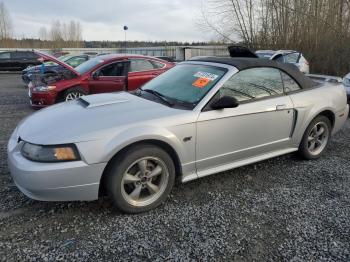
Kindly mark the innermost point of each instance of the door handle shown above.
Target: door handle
(281, 107)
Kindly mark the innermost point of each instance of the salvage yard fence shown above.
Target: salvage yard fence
(178, 53)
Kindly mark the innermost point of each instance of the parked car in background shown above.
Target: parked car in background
(346, 82)
(202, 117)
(18, 60)
(167, 58)
(286, 56)
(107, 73)
(99, 54)
(91, 53)
(60, 53)
(50, 67)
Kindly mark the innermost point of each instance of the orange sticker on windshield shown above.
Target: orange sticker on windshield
(201, 82)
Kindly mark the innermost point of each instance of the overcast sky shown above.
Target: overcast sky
(104, 19)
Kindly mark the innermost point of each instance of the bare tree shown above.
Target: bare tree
(66, 35)
(5, 26)
(43, 33)
(75, 33)
(56, 36)
(233, 19)
(319, 28)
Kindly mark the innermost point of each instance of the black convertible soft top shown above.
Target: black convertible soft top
(246, 63)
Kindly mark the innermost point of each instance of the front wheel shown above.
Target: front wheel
(73, 93)
(316, 138)
(140, 179)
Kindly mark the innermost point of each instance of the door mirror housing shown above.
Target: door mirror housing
(225, 102)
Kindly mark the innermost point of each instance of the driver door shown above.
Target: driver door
(262, 122)
(109, 78)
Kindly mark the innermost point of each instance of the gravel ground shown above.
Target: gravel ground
(281, 209)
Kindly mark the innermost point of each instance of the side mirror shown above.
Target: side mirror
(95, 76)
(225, 102)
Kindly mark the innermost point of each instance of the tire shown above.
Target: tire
(133, 190)
(314, 141)
(73, 93)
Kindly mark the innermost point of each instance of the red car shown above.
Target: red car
(106, 73)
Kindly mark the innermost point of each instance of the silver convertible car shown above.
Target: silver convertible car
(202, 117)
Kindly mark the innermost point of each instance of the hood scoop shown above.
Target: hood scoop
(102, 100)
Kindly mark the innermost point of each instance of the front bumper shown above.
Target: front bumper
(42, 99)
(65, 181)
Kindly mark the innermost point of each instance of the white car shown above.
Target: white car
(346, 83)
(286, 56)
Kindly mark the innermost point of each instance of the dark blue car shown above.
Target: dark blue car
(30, 73)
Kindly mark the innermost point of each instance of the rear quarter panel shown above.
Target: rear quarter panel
(311, 102)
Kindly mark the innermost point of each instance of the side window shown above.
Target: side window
(157, 65)
(289, 83)
(291, 58)
(4, 55)
(18, 55)
(139, 65)
(29, 55)
(116, 69)
(279, 58)
(253, 83)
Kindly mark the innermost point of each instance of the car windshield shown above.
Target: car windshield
(64, 57)
(264, 55)
(50, 63)
(185, 84)
(88, 65)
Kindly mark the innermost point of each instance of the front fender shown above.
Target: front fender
(101, 151)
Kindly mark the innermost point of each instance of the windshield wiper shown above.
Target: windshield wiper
(159, 95)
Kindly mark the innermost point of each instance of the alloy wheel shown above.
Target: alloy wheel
(144, 181)
(318, 138)
(73, 96)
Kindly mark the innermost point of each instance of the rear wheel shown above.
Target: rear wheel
(74, 93)
(316, 138)
(140, 179)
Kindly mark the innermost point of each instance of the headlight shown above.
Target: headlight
(58, 153)
(44, 88)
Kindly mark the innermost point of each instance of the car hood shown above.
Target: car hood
(57, 61)
(95, 117)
